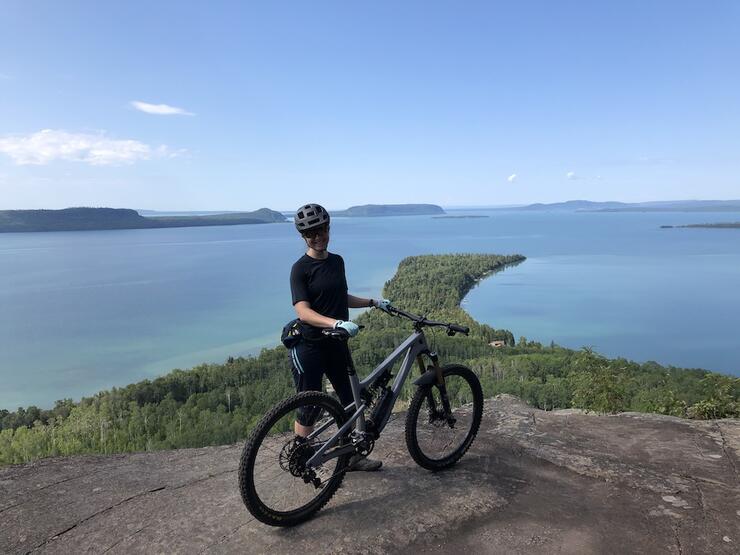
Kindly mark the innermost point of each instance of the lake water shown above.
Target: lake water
(84, 311)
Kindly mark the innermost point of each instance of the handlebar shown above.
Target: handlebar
(419, 322)
(422, 321)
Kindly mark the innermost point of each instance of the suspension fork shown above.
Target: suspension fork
(440, 381)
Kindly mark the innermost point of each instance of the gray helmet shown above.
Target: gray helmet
(310, 216)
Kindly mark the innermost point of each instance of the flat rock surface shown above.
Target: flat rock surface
(533, 482)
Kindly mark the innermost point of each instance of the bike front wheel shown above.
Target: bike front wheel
(437, 440)
(276, 484)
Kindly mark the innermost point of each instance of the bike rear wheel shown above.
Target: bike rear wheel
(434, 441)
(275, 483)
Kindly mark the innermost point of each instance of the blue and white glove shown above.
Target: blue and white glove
(350, 327)
(383, 305)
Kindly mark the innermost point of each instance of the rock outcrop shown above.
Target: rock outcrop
(533, 482)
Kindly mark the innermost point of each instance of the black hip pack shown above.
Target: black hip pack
(291, 335)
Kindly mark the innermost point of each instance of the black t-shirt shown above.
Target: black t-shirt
(324, 285)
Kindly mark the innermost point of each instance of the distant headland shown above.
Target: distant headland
(95, 219)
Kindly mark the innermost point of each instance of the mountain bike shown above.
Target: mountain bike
(284, 480)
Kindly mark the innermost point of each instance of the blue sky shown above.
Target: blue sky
(280, 103)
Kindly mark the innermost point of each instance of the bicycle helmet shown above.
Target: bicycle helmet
(310, 216)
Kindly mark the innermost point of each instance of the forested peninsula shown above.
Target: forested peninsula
(215, 404)
(95, 219)
(370, 210)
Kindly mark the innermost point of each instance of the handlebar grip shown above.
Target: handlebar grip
(460, 329)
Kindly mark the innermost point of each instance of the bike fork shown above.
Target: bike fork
(440, 385)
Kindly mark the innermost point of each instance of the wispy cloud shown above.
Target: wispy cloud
(160, 109)
(49, 145)
(512, 178)
(571, 175)
(5, 76)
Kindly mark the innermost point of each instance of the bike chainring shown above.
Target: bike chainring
(365, 446)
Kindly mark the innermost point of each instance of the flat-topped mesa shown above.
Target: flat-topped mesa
(96, 219)
(389, 210)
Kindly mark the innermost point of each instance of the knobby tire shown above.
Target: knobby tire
(418, 410)
(247, 487)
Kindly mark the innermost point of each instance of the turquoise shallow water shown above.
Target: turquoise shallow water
(83, 311)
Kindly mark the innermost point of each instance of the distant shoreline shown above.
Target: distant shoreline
(100, 219)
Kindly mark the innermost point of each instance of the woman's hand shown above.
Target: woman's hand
(350, 327)
(383, 304)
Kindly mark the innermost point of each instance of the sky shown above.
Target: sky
(241, 105)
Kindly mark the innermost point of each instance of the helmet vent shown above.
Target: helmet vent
(309, 216)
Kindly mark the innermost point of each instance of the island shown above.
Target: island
(96, 219)
(721, 225)
(463, 217)
(374, 210)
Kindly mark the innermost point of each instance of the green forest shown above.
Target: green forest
(215, 404)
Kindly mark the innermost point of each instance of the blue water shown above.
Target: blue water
(84, 311)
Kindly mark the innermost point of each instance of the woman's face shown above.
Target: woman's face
(317, 238)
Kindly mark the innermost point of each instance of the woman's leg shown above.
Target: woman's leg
(307, 362)
(336, 371)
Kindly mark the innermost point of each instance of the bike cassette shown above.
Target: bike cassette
(293, 458)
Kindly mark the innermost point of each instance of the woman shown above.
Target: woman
(319, 288)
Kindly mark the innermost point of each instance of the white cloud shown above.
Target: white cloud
(513, 177)
(160, 109)
(48, 145)
(571, 175)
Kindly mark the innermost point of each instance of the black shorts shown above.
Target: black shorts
(310, 360)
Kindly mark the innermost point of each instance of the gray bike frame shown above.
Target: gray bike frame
(414, 346)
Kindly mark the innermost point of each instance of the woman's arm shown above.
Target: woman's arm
(310, 316)
(359, 302)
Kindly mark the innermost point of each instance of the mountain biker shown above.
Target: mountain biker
(319, 289)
